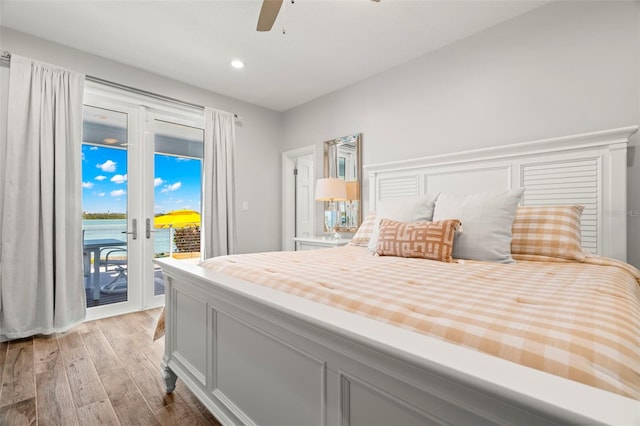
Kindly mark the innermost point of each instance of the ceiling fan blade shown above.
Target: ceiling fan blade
(268, 14)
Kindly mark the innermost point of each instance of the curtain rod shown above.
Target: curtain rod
(6, 57)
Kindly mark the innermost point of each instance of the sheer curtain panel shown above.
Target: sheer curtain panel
(218, 198)
(41, 282)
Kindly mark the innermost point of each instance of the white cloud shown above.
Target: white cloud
(107, 166)
(157, 181)
(87, 185)
(119, 179)
(101, 194)
(170, 188)
(93, 148)
(100, 177)
(182, 159)
(118, 193)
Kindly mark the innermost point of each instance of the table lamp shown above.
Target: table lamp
(331, 190)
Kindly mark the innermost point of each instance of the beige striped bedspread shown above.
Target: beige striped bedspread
(580, 321)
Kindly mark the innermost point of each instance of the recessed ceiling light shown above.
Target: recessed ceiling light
(237, 63)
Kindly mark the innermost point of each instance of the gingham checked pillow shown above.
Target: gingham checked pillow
(426, 240)
(541, 232)
(362, 236)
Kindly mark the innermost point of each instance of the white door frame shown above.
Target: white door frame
(141, 109)
(288, 196)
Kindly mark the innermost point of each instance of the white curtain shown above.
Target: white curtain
(41, 282)
(218, 197)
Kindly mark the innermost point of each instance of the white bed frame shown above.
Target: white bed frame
(254, 355)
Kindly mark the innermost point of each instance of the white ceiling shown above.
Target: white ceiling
(328, 44)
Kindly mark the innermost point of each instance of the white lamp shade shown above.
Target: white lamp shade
(331, 189)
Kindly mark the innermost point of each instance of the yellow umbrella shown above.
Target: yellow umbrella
(177, 219)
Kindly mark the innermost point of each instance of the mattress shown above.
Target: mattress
(578, 320)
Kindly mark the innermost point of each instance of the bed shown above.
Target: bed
(274, 338)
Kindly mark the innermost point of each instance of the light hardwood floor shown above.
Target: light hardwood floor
(104, 372)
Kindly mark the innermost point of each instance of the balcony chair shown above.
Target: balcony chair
(118, 282)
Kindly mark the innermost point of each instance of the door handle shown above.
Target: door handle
(148, 227)
(134, 227)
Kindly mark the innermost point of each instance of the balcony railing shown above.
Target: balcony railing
(183, 242)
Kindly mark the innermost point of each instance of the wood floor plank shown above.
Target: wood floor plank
(197, 408)
(18, 379)
(128, 403)
(4, 346)
(97, 413)
(154, 352)
(82, 328)
(101, 372)
(119, 338)
(84, 381)
(89, 326)
(147, 378)
(146, 319)
(46, 353)
(136, 331)
(69, 341)
(19, 414)
(104, 358)
(179, 413)
(55, 403)
(20, 343)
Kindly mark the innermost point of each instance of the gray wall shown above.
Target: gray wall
(258, 136)
(565, 68)
(562, 69)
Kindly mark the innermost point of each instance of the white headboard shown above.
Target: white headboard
(588, 169)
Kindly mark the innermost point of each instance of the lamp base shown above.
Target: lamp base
(331, 234)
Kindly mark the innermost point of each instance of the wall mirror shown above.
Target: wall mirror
(342, 159)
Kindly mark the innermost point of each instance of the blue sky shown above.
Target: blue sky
(104, 181)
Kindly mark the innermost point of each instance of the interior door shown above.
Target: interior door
(305, 208)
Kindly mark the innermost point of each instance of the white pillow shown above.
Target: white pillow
(487, 219)
(402, 210)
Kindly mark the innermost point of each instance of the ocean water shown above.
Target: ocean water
(112, 228)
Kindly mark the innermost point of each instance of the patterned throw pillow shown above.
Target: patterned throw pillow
(427, 240)
(362, 236)
(404, 209)
(547, 232)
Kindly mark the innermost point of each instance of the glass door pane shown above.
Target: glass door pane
(177, 162)
(104, 205)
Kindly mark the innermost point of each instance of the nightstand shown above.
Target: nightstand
(315, 243)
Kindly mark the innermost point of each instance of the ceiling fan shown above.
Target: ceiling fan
(269, 13)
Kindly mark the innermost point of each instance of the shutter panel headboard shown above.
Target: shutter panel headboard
(587, 169)
(567, 182)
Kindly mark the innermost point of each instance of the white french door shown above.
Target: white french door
(171, 200)
(141, 158)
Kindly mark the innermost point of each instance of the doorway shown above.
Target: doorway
(141, 160)
(299, 207)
